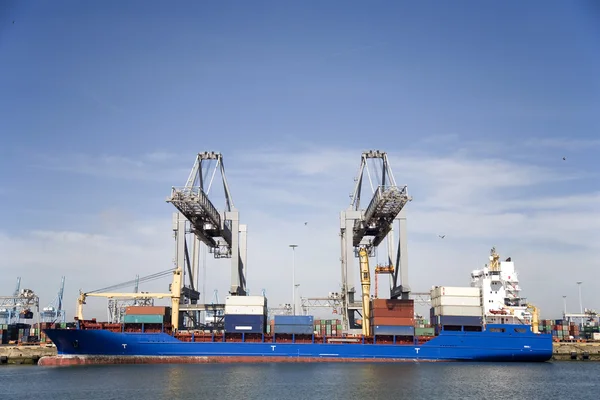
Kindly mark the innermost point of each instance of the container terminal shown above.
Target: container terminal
(390, 325)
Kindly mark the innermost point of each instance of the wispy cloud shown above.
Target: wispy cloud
(569, 144)
(163, 167)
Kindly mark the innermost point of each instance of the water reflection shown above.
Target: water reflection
(305, 381)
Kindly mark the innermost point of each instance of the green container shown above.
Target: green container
(424, 332)
(144, 319)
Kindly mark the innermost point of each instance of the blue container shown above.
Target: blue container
(294, 320)
(245, 323)
(294, 329)
(394, 330)
(459, 320)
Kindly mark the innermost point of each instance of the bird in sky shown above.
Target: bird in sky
(306, 223)
(442, 236)
(564, 158)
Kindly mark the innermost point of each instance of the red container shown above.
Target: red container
(148, 310)
(401, 313)
(392, 304)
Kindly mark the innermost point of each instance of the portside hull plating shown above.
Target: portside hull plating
(153, 347)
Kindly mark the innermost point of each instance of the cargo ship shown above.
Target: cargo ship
(460, 330)
(466, 324)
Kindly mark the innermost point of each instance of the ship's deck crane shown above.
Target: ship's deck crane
(54, 312)
(174, 295)
(367, 228)
(117, 306)
(220, 232)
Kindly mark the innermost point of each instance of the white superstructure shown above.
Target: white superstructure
(500, 292)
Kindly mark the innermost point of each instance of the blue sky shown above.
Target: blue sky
(103, 107)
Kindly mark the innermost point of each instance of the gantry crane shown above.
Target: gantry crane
(368, 228)
(8, 306)
(220, 232)
(54, 312)
(22, 305)
(333, 301)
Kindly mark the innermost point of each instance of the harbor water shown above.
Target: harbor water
(304, 381)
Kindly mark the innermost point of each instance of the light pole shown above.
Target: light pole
(580, 303)
(296, 287)
(293, 246)
(565, 304)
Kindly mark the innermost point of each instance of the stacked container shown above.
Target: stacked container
(147, 315)
(393, 317)
(456, 306)
(294, 324)
(328, 327)
(245, 314)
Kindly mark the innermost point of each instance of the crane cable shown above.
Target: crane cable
(132, 282)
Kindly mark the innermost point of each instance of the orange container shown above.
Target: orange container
(147, 310)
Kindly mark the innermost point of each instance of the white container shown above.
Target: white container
(245, 310)
(246, 301)
(456, 301)
(596, 335)
(462, 311)
(439, 291)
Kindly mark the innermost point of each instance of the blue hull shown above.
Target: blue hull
(509, 345)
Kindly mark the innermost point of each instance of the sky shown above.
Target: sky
(488, 113)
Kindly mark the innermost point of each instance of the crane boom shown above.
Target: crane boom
(175, 296)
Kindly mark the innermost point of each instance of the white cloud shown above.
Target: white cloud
(477, 201)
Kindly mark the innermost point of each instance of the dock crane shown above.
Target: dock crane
(8, 306)
(220, 232)
(54, 312)
(368, 228)
(174, 295)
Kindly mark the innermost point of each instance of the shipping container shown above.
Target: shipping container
(466, 291)
(399, 313)
(294, 320)
(245, 310)
(465, 311)
(391, 304)
(458, 320)
(456, 301)
(245, 323)
(596, 335)
(296, 329)
(424, 331)
(143, 319)
(246, 301)
(148, 310)
(393, 330)
(392, 321)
